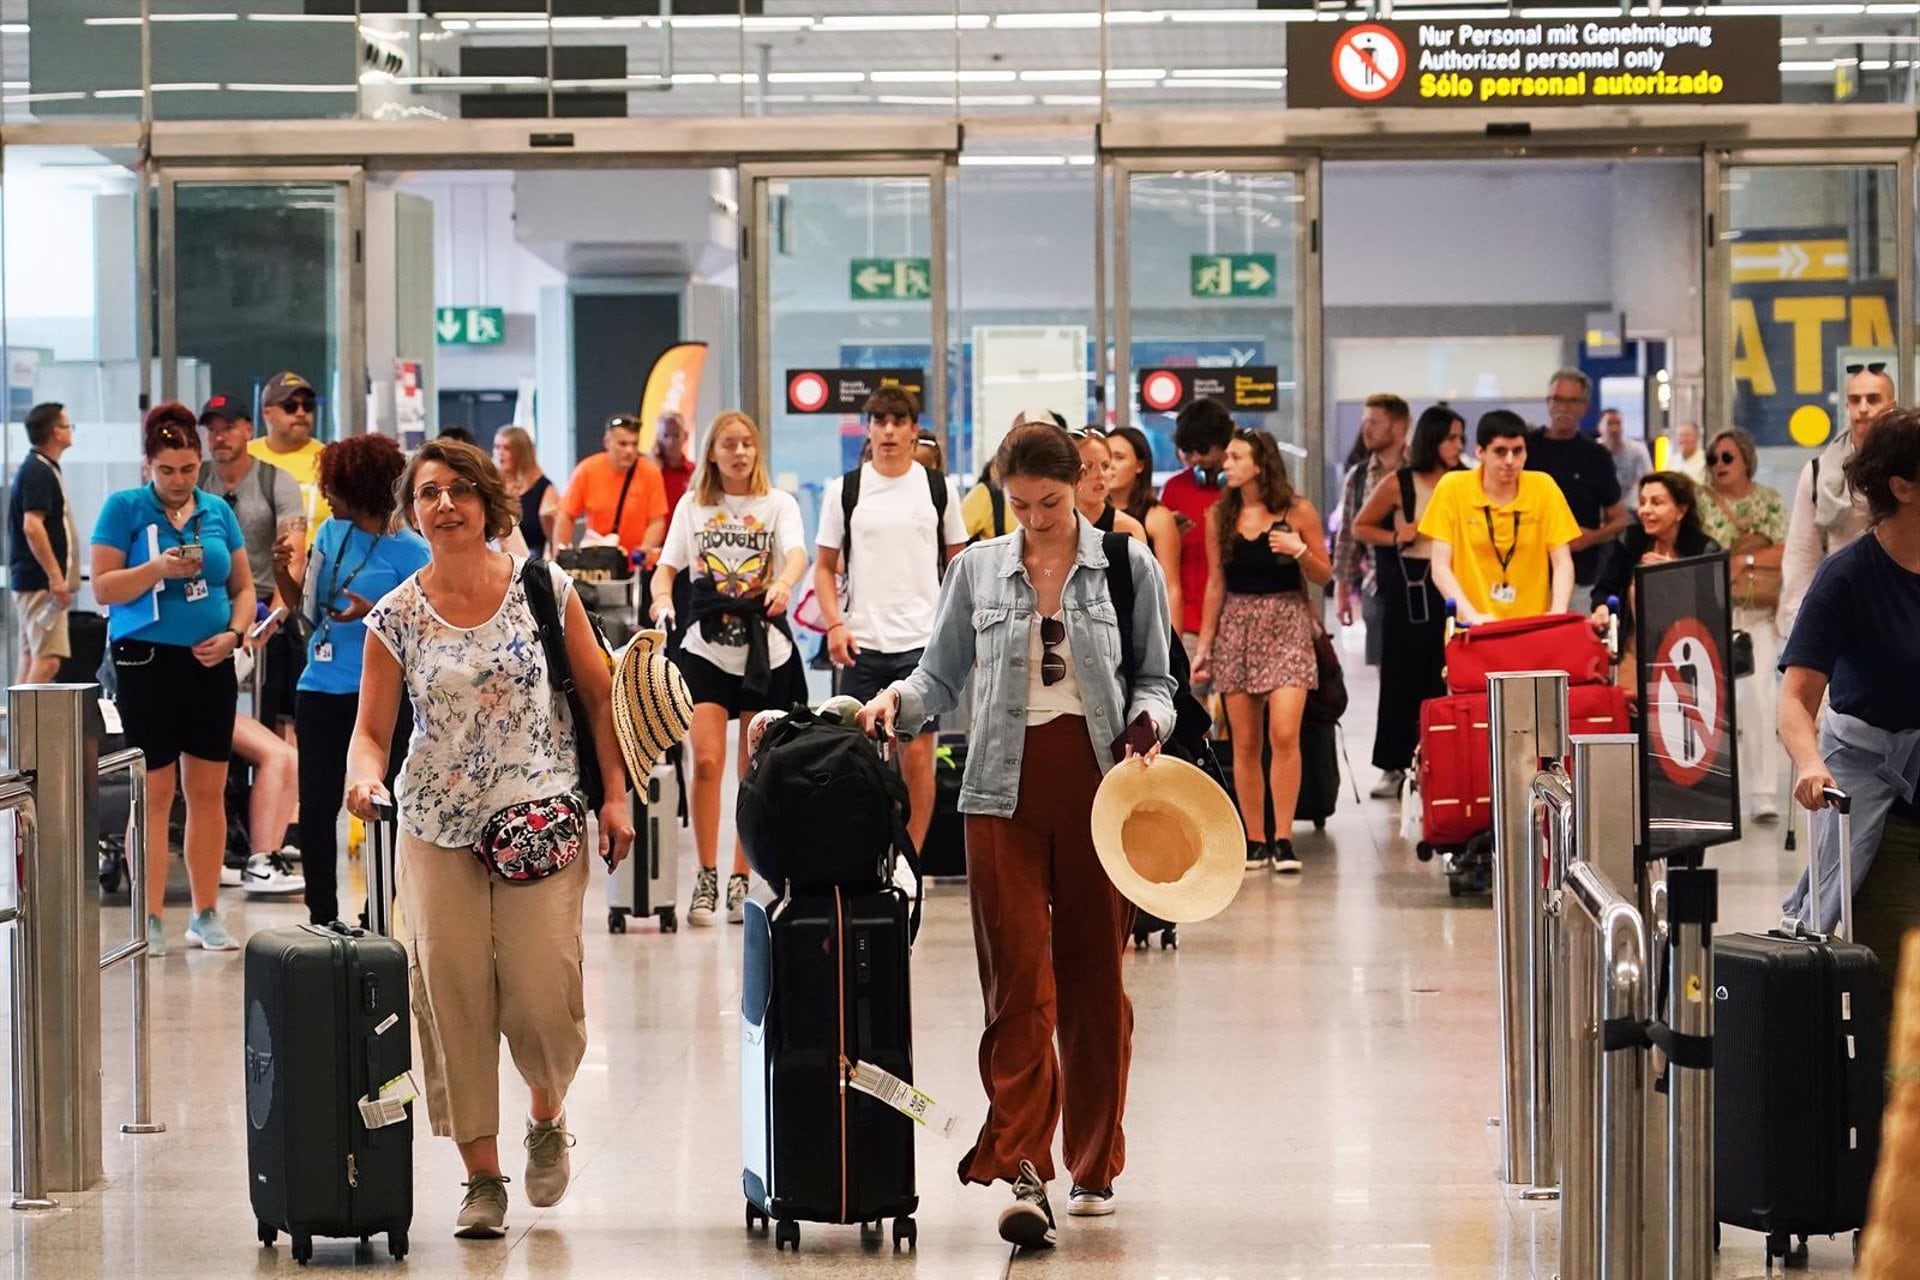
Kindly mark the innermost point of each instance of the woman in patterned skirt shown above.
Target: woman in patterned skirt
(1264, 544)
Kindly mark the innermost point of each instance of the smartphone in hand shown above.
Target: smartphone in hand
(1139, 735)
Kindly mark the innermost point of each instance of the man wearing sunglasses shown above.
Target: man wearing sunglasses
(290, 405)
(622, 495)
(1826, 514)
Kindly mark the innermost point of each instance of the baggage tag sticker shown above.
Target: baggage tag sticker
(904, 1098)
(391, 1106)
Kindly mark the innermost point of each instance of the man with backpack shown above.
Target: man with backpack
(1826, 515)
(888, 528)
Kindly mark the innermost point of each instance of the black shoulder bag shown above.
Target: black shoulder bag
(553, 641)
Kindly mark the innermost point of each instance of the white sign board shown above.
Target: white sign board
(1024, 366)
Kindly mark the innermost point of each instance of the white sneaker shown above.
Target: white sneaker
(269, 875)
(1084, 1202)
(232, 877)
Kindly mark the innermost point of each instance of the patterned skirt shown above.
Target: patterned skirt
(1264, 643)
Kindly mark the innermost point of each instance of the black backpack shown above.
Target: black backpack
(819, 808)
(1189, 740)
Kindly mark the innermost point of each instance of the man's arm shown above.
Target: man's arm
(1442, 567)
(1561, 558)
(1801, 691)
(33, 525)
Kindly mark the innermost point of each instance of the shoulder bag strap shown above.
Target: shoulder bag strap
(937, 489)
(620, 506)
(849, 494)
(535, 577)
(1408, 501)
(1120, 590)
(265, 480)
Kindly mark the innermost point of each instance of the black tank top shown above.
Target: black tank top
(530, 527)
(1105, 523)
(1255, 569)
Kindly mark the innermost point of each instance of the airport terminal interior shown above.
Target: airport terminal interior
(483, 213)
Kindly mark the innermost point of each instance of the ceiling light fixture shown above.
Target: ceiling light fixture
(964, 76)
(904, 22)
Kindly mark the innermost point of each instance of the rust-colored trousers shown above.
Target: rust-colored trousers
(1050, 932)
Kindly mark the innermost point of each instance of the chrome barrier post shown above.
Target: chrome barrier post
(134, 762)
(54, 738)
(1602, 1234)
(1693, 907)
(1550, 847)
(29, 1178)
(1527, 721)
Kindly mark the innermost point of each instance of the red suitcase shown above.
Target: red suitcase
(1551, 642)
(1456, 770)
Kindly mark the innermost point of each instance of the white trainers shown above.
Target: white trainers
(269, 875)
(1085, 1202)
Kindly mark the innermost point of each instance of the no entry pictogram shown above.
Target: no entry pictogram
(1369, 62)
(1687, 715)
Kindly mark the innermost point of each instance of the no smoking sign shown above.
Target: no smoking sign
(1369, 62)
(1687, 712)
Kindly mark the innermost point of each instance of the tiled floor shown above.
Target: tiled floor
(1313, 1074)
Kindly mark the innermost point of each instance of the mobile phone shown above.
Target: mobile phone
(192, 551)
(259, 628)
(1139, 735)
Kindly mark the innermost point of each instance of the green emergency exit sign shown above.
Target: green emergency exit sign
(890, 279)
(470, 326)
(1233, 275)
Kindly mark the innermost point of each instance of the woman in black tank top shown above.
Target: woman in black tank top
(1090, 495)
(1264, 545)
(513, 454)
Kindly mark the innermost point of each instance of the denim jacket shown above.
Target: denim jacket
(983, 629)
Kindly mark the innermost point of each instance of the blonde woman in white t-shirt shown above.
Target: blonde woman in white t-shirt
(742, 542)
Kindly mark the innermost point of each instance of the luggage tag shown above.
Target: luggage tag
(196, 589)
(904, 1098)
(391, 1106)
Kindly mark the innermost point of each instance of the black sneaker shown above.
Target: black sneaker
(1285, 861)
(1027, 1223)
(1257, 855)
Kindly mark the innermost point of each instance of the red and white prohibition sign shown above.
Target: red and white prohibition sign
(807, 392)
(1687, 713)
(1369, 62)
(1161, 390)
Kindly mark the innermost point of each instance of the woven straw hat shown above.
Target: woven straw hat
(652, 709)
(1169, 839)
(1892, 1241)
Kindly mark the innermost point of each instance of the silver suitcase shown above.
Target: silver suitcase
(645, 881)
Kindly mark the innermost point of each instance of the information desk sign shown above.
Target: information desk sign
(1537, 62)
(846, 390)
(1683, 656)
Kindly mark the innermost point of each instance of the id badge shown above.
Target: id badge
(323, 652)
(196, 589)
(1503, 593)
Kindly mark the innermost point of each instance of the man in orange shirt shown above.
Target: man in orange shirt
(619, 492)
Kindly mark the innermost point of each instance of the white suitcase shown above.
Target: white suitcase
(645, 881)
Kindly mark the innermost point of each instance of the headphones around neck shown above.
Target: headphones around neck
(1210, 477)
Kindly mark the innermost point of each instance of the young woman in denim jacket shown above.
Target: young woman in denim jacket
(1028, 617)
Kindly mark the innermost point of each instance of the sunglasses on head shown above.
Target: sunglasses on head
(1871, 366)
(1088, 433)
(623, 422)
(1053, 667)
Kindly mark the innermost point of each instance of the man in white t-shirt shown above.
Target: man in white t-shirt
(905, 525)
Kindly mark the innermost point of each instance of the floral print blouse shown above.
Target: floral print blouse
(1762, 511)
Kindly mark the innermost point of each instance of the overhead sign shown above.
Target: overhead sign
(1683, 638)
(890, 279)
(470, 326)
(1250, 388)
(1517, 62)
(846, 390)
(1796, 298)
(1233, 275)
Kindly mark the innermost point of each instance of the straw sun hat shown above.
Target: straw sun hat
(652, 709)
(1169, 839)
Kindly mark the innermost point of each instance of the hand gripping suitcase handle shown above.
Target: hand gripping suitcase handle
(1842, 803)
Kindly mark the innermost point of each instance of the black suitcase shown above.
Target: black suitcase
(826, 984)
(945, 851)
(327, 1025)
(1799, 1052)
(1319, 774)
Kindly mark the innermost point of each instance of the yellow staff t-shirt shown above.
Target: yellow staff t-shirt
(1522, 533)
(303, 464)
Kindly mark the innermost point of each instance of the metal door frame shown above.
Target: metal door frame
(1718, 275)
(756, 317)
(1118, 169)
(349, 270)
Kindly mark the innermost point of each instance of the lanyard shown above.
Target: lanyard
(1512, 549)
(190, 535)
(334, 586)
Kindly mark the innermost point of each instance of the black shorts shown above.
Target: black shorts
(282, 660)
(786, 685)
(170, 705)
(871, 672)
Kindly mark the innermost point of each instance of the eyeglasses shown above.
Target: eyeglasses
(1871, 366)
(1566, 399)
(1053, 667)
(459, 491)
(1726, 456)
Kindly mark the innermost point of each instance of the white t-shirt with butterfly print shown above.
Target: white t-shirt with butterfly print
(740, 544)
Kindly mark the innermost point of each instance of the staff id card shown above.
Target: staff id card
(1503, 593)
(323, 652)
(196, 589)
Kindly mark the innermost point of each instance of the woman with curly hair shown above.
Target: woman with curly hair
(357, 557)
(1264, 543)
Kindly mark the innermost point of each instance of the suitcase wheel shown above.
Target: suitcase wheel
(1169, 940)
(397, 1244)
(786, 1234)
(303, 1249)
(1140, 937)
(616, 921)
(871, 1233)
(669, 920)
(268, 1235)
(1319, 824)
(1792, 1257)
(1423, 851)
(756, 1220)
(905, 1235)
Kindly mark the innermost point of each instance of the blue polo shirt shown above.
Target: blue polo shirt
(345, 558)
(133, 521)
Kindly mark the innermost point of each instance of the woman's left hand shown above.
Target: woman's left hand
(358, 607)
(778, 594)
(216, 649)
(1286, 542)
(616, 830)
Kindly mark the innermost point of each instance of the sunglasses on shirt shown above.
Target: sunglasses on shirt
(1053, 666)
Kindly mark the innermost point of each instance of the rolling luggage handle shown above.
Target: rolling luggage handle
(382, 868)
(1843, 804)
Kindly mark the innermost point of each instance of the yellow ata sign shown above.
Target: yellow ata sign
(1869, 324)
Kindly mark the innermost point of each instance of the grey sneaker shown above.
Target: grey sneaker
(1389, 786)
(1027, 1223)
(706, 896)
(549, 1167)
(483, 1214)
(206, 929)
(736, 899)
(156, 937)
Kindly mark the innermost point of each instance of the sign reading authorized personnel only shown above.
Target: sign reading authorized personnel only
(1514, 62)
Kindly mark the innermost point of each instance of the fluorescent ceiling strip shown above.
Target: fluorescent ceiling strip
(194, 17)
(1893, 10)
(482, 13)
(75, 96)
(294, 88)
(13, 29)
(1179, 72)
(458, 82)
(109, 22)
(1064, 75)
(303, 17)
(1070, 99)
(963, 100)
(1012, 162)
(1825, 64)
(194, 87)
(904, 22)
(773, 24)
(510, 24)
(695, 77)
(1247, 15)
(614, 82)
(1200, 82)
(1788, 10)
(1457, 14)
(603, 24)
(816, 77)
(943, 77)
(1553, 15)
(108, 93)
(1050, 21)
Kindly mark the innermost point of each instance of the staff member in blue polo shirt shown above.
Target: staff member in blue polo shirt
(169, 560)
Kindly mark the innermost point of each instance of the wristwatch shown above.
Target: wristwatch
(239, 637)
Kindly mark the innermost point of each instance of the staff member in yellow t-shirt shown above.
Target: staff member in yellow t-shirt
(1501, 534)
(288, 404)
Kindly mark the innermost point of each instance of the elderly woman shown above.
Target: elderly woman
(1668, 528)
(1854, 645)
(1750, 521)
(1029, 619)
(170, 563)
(491, 740)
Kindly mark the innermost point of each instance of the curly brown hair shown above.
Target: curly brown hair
(1276, 488)
(169, 425)
(469, 463)
(359, 472)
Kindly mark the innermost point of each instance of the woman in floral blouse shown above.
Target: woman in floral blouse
(1750, 521)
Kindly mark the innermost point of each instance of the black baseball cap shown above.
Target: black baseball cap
(225, 409)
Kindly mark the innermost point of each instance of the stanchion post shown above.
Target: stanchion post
(1527, 721)
(143, 1121)
(1693, 908)
(29, 1177)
